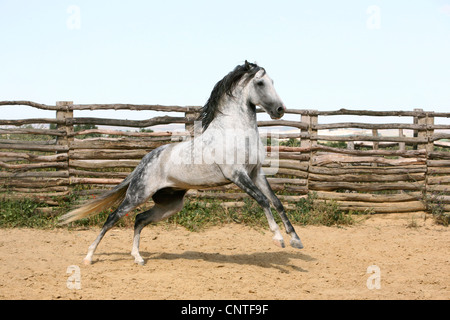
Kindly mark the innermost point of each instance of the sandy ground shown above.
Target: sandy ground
(231, 262)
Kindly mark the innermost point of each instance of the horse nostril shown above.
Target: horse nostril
(280, 110)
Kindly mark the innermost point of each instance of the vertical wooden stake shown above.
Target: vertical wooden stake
(65, 113)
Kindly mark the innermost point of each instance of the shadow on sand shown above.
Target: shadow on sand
(283, 261)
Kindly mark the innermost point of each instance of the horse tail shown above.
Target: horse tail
(103, 202)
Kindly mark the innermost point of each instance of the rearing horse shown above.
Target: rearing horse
(168, 172)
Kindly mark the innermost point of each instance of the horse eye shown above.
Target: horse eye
(260, 83)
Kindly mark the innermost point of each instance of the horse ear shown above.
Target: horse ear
(260, 74)
(247, 65)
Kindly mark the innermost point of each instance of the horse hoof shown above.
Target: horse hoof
(139, 262)
(87, 262)
(296, 243)
(279, 242)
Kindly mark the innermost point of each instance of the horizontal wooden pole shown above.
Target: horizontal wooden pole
(283, 123)
(368, 170)
(380, 126)
(289, 172)
(369, 138)
(400, 153)
(34, 157)
(321, 160)
(438, 170)
(25, 189)
(344, 111)
(113, 143)
(34, 147)
(82, 154)
(102, 164)
(412, 206)
(33, 131)
(98, 174)
(35, 174)
(31, 121)
(29, 103)
(287, 181)
(35, 195)
(28, 142)
(369, 198)
(75, 180)
(34, 182)
(329, 186)
(367, 177)
(130, 133)
(442, 144)
(288, 164)
(288, 149)
(438, 163)
(439, 155)
(439, 136)
(292, 156)
(438, 188)
(439, 180)
(60, 165)
(439, 199)
(127, 123)
(139, 107)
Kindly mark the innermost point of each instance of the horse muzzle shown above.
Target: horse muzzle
(278, 113)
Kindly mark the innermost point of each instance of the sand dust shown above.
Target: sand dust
(232, 262)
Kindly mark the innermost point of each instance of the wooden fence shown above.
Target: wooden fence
(363, 166)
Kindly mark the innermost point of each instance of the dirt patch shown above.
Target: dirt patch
(232, 262)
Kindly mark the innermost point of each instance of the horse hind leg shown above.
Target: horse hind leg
(167, 203)
(125, 207)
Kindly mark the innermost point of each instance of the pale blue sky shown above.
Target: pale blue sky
(321, 54)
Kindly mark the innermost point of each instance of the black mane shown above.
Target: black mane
(225, 86)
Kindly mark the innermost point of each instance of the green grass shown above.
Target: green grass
(195, 215)
(310, 211)
(23, 213)
(436, 206)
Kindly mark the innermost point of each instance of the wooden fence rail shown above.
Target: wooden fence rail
(363, 166)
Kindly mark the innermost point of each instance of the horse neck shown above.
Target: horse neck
(236, 112)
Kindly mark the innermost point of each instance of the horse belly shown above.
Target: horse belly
(197, 177)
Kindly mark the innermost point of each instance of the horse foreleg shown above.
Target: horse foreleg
(243, 181)
(262, 183)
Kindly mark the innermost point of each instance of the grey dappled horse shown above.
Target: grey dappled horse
(227, 150)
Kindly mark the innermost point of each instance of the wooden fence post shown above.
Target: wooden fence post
(421, 120)
(375, 144)
(311, 120)
(191, 116)
(428, 121)
(416, 132)
(427, 133)
(429, 147)
(65, 112)
(430, 132)
(401, 145)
